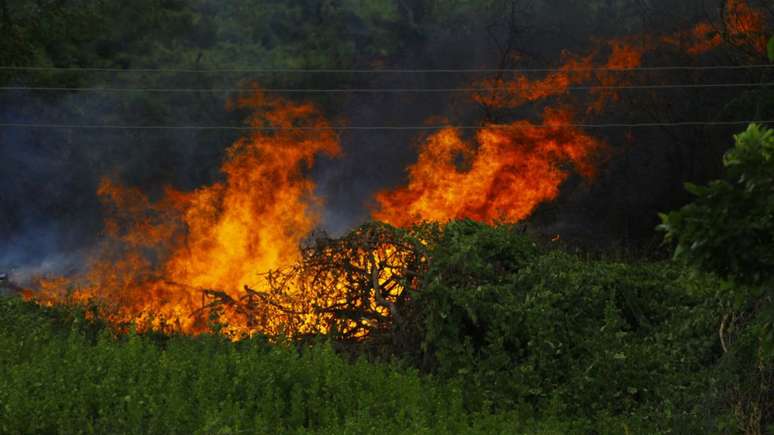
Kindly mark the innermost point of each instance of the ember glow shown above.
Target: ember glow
(742, 25)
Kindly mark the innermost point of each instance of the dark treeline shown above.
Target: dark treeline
(49, 176)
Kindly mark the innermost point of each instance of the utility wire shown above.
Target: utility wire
(380, 128)
(378, 71)
(375, 90)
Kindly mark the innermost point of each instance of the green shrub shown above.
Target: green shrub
(729, 227)
(524, 328)
(729, 230)
(56, 378)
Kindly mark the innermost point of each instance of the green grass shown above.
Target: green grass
(62, 374)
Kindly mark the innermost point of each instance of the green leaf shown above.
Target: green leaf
(695, 189)
(771, 49)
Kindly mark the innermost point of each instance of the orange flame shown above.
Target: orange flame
(745, 25)
(512, 169)
(159, 255)
(741, 25)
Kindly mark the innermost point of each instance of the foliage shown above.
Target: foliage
(522, 327)
(56, 378)
(729, 229)
(194, 34)
(514, 338)
(517, 325)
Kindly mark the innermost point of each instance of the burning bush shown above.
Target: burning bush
(359, 286)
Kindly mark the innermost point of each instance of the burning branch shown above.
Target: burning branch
(351, 287)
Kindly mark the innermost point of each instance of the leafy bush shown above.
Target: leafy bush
(729, 229)
(527, 328)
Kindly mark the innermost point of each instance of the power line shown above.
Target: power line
(375, 90)
(378, 71)
(379, 128)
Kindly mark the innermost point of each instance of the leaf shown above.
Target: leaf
(695, 189)
(771, 49)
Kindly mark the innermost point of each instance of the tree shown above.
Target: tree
(729, 229)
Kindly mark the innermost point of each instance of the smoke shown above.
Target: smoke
(375, 160)
(49, 210)
(50, 215)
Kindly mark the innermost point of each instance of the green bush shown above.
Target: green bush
(531, 329)
(728, 229)
(60, 373)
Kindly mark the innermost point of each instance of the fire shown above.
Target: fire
(745, 25)
(507, 172)
(170, 263)
(521, 90)
(741, 26)
(513, 168)
(158, 256)
(355, 285)
(698, 40)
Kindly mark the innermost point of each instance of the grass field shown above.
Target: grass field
(62, 374)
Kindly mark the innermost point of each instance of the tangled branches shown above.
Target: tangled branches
(352, 287)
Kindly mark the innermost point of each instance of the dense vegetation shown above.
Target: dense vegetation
(62, 374)
(520, 341)
(729, 230)
(516, 337)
